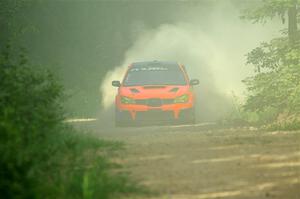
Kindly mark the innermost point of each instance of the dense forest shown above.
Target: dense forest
(81, 41)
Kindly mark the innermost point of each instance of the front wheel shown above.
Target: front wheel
(188, 116)
(122, 118)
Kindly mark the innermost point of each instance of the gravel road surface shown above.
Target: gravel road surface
(204, 162)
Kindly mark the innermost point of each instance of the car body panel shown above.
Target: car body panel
(158, 99)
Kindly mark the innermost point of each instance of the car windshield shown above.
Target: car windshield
(154, 75)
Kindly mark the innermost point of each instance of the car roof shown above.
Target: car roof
(155, 63)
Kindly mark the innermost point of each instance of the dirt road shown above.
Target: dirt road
(193, 162)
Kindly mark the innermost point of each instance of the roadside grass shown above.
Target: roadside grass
(69, 165)
(268, 120)
(285, 126)
(82, 167)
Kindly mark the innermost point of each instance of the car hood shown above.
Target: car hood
(144, 92)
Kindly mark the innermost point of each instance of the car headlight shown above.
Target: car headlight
(181, 99)
(127, 100)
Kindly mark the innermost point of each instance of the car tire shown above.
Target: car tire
(122, 119)
(188, 116)
(192, 117)
(118, 121)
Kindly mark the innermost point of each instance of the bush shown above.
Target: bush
(42, 157)
(241, 116)
(29, 114)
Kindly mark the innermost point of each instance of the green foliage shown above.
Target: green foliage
(278, 90)
(29, 112)
(287, 126)
(269, 56)
(42, 157)
(275, 88)
(268, 9)
(277, 83)
(240, 116)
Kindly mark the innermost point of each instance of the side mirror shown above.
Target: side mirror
(194, 82)
(116, 83)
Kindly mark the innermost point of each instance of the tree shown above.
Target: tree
(276, 84)
(277, 8)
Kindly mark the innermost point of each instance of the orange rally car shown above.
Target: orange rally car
(155, 92)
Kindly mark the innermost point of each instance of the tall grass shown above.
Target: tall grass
(268, 119)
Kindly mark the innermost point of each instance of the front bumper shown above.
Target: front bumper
(166, 113)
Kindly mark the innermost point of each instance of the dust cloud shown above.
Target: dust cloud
(212, 51)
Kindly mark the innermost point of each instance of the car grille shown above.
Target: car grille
(155, 115)
(154, 102)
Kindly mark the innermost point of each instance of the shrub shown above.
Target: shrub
(41, 156)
